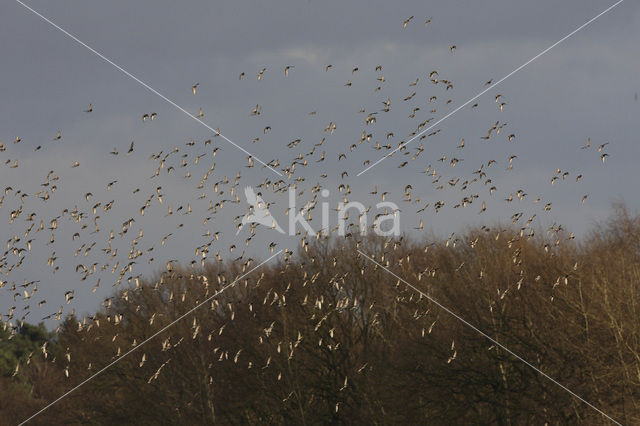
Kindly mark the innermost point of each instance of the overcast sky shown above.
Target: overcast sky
(585, 87)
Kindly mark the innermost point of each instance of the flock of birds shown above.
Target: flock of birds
(308, 164)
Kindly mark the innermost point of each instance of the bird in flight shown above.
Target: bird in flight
(406, 21)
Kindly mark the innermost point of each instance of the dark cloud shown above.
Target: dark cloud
(583, 88)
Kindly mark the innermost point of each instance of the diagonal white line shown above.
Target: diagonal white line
(491, 87)
(459, 318)
(207, 300)
(145, 85)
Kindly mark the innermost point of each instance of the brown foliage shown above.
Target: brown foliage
(329, 337)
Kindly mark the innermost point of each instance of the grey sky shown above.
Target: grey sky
(583, 88)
